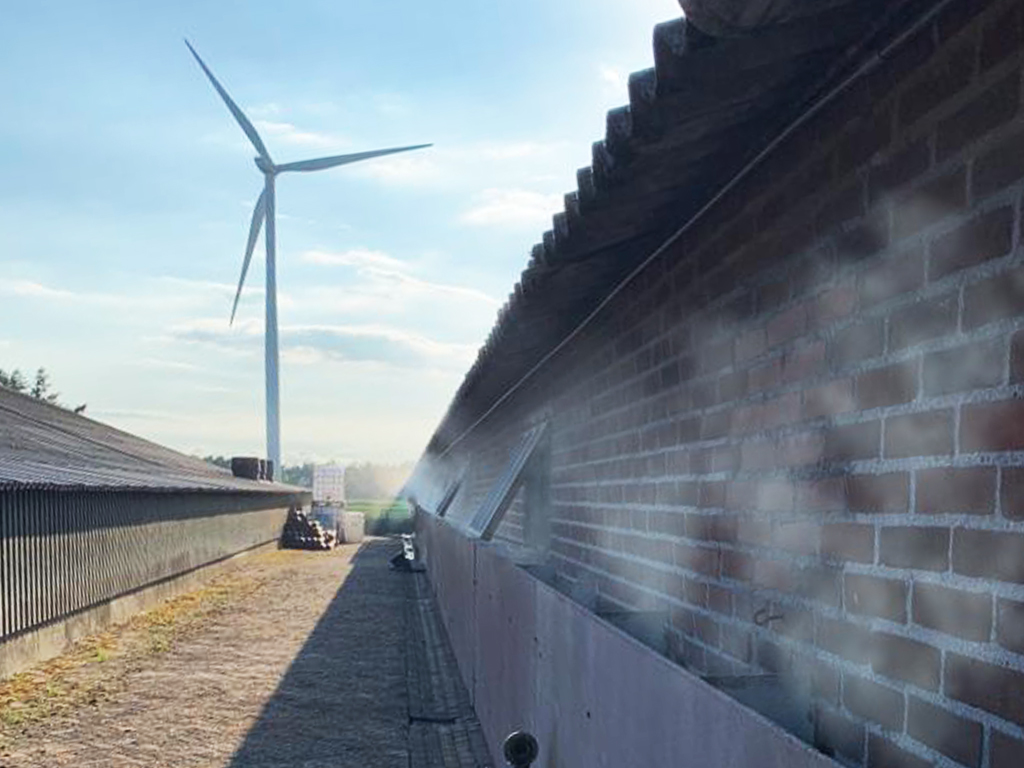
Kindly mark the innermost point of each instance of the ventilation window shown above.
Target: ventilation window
(490, 513)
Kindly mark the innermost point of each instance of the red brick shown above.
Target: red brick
(799, 538)
(759, 455)
(714, 357)
(919, 434)
(956, 490)
(852, 442)
(787, 325)
(899, 169)
(834, 304)
(773, 294)
(1017, 358)
(820, 583)
(843, 206)
(923, 321)
(981, 239)
(1002, 37)
(737, 565)
(719, 599)
(1010, 625)
(732, 386)
(999, 166)
(989, 554)
(925, 549)
(849, 542)
(803, 362)
(830, 399)
(986, 112)
(824, 681)
(871, 701)
(941, 81)
(750, 345)
(930, 203)
(836, 734)
(1000, 297)
(903, 273)
(900, 658)
(801, 449)
(861, 241)
(857, 343)
(878, 493)
(715, 425)
(995, 689)
(891, 385)
(703, 560)
(882, 753)
(992, 426)
(1011, 493)
(765, 376)
(970, 366)
(874, 596)
(782, 410)
(956, 737)
(822, 495)
(1006, 751)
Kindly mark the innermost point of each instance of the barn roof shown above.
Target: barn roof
(725, 83)
(45, 446)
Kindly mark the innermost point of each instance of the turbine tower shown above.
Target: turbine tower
(265, 210)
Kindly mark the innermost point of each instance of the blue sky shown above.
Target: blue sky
(126, 191)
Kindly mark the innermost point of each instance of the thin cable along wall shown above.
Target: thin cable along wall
(62, 552)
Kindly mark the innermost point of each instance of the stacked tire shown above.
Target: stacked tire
(302, 533)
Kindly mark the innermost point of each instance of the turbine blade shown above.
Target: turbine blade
(238, 114)
(258, 214)
(321, 163)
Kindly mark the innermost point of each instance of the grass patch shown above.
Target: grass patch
(94, 668)
(383, 516)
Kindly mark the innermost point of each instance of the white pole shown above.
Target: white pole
(270, 338)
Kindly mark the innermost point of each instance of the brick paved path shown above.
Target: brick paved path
(335, 661)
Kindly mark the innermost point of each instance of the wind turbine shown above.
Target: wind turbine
(265, 210)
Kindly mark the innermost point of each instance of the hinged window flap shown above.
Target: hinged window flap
(491, 512)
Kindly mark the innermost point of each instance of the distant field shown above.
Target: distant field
(383, 516)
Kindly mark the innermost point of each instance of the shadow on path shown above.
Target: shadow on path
(344, 699)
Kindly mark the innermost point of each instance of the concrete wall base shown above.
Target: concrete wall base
(592, 695)
(21, 652)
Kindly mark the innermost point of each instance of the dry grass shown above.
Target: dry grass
(94, 668)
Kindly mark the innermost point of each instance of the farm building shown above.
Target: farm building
(739, 470)
(96, 523)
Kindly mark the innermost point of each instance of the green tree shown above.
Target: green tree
(41, 389)
(13, 380)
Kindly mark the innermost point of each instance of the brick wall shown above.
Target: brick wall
(801, 432)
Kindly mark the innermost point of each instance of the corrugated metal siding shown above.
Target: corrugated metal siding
(64, 552)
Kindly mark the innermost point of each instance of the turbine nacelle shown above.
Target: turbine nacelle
(265, 166)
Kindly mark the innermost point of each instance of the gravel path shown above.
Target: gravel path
(308, 670)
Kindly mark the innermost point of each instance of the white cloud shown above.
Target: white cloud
(169, 365)
(612, 77)
(274, 132)
(32, 289)
(387, 280)
(309, 344)
(511, 208)
(264, 111)
(356, 257)
(460, 165)
(406, 169)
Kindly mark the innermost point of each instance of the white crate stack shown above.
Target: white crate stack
(329, 491)
(329, 484)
